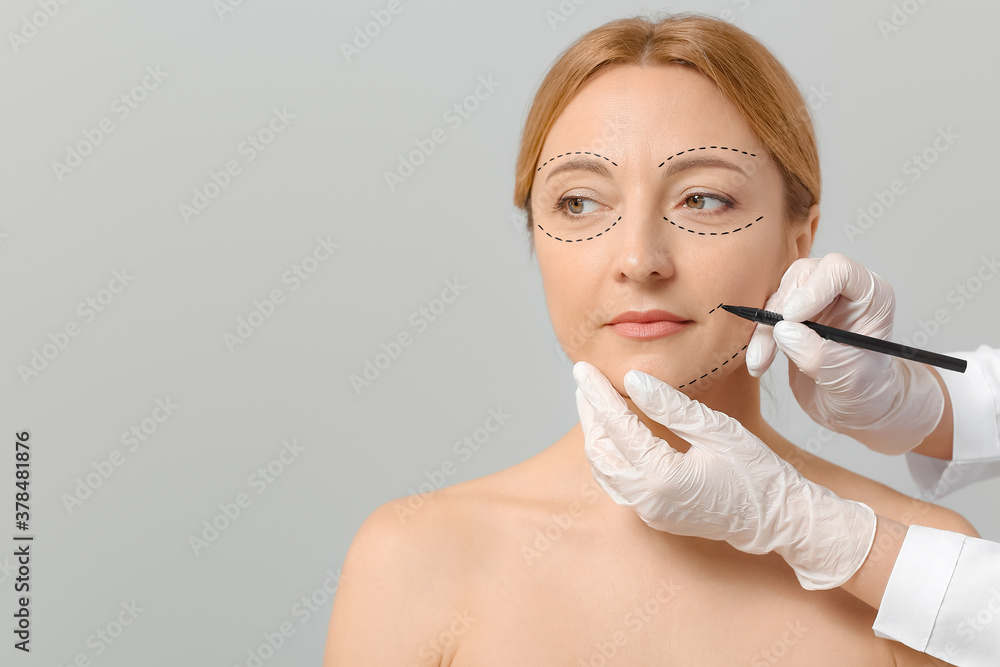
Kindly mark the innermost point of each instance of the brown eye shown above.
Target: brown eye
(698, 202)
(575, 205)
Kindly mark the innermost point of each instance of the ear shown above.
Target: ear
(802, 236)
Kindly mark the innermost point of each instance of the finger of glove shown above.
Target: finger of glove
(635, 442)
(762, 349)
(601, 452)
(609, 468)
(835, 276)
(610, 487)
(828, 363)
(704, 428)
(803, 347)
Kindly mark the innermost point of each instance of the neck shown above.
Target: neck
(737, 396)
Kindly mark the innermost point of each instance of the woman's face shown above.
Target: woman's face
(641, 203)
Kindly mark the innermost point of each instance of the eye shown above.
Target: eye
(698, 201)
(574, 205)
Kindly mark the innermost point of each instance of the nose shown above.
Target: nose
(644, 250)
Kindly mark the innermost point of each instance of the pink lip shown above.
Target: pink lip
(648, 324)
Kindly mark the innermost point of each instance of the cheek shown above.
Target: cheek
(743, 273)
(563, 276)
(577, 305)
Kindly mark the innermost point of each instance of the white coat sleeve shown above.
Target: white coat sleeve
(975, 401)
(943, 597)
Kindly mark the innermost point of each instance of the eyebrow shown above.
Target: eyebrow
(675, 167)
(585, 164)
(700, 161)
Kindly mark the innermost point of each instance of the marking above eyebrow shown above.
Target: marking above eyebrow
(580, 164)
(703, 148)
(702, 161)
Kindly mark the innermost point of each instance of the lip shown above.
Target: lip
(648, 324)
(647, 316)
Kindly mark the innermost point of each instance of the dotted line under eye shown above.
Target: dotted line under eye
(578, 153)
(589, 238)
(691, 231)
(702, 148)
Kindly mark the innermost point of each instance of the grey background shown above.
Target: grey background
(493, 347)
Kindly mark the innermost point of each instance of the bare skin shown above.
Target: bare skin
(938, 444)
(535, 564)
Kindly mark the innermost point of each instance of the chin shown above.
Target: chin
(692, 376)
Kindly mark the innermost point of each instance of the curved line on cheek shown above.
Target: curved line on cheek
(735, 354)
(717, 368)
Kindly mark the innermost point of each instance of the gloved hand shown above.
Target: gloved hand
(887, 403)
(729, 486)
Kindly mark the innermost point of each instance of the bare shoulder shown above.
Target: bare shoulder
(405, 578)
(882, 499)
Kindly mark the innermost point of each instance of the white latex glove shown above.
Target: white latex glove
(729, 486)
(887, 403)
